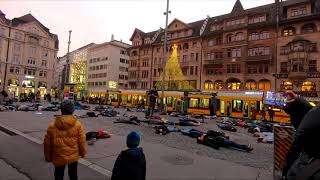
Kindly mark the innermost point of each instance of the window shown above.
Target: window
(218, 55)
(145, 74)
(197, 56)
(235, 22)
(184, 58)
(234, 52)
(208, 85)
(32, 50)
(11, 69)
(288, 31)
(308, 28)
(259, 51)
(299, 11)
(219, 41)
(218, 85)
(45, 54)
(44, 63)
(287, 85)
(233, 85)
(308, 86)
(257, 19)
(264, 85)
(122, 52)
(312, 65)
(251, 85)
(264, 35)
(239, 37)
(15, 59)
(233, 68)
(31, 61)
(191, 70)
(230, 38)
(254, 36)
(194, 44)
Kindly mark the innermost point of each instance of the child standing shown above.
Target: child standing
(131, 163)
(65, 142)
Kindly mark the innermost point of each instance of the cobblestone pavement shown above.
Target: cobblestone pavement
(261, 157)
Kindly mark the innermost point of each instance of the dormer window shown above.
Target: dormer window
(257, 19)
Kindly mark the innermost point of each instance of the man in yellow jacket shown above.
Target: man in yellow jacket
(65, 142)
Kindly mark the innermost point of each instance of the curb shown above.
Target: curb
(84, 162)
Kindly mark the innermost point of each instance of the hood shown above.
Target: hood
(65, 122)
(133, 154)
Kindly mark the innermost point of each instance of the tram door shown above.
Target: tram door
(252, 107)
(246, 109)
(222, 107)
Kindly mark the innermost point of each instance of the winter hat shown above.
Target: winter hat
(133, 139)
(67, 107)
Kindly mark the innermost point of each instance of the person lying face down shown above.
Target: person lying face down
(216, 139)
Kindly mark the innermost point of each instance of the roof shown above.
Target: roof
(114, 43)
(237, 11)
(26, 19)
(81, 48)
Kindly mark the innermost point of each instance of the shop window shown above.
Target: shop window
(218, 85)
(251, 85)
(287, 85)
(169, 101)
(237, 105)
(264, 85)
(308, 86)
(208, 85)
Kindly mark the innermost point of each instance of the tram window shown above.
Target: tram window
(194, 103)
(129, 98)
(164, 100)
(114, 97)
(236, 105)
(204, 103)
(259, 105)
(169, 101)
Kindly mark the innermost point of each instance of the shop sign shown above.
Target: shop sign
(313, 75)
(280, 75)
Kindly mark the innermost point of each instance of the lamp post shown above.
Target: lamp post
(68, 61)
(164, 52)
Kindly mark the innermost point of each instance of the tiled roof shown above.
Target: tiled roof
(26, 19)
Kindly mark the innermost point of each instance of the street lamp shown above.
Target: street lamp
(164, 52)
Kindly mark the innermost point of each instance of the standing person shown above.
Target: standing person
(82, 99)
(131, 163)
(253, 111)
(271, 114)
(305, 162)
(263, 114)
(228, 110)
(65, 142)
(152, 96)
(55, 96)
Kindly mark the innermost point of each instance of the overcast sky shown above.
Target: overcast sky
(95, 21)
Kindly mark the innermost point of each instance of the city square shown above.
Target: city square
(166, 89)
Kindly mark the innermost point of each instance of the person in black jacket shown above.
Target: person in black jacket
(131, 163)
(305, 149)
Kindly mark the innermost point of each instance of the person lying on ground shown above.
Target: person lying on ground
(131, 163)
(221, 141)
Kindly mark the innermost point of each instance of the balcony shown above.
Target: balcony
(259, 58)
(235, 43)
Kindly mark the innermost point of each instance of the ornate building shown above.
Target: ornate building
(270, 47)
(28, 55)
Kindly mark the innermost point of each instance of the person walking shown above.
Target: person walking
(65, 142)
(131, 163)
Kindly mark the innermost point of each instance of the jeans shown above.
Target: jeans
(229, 143)
(72, 171)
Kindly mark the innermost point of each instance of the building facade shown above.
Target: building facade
(28, 55)
(107, 67)
(74, 72)
(270, 47)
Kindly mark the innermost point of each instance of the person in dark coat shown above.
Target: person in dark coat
(131, 163)
(305, 149)
(271, 113)
(152, 98)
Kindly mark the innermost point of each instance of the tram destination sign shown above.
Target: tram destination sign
(313, 75)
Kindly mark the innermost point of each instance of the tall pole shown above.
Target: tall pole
(68, 61)
(7, 59)
(164, 53)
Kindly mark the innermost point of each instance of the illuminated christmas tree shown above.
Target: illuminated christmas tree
(173, 72)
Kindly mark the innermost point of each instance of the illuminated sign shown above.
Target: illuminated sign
(29, 77)
(251, 93)
(113, 84)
